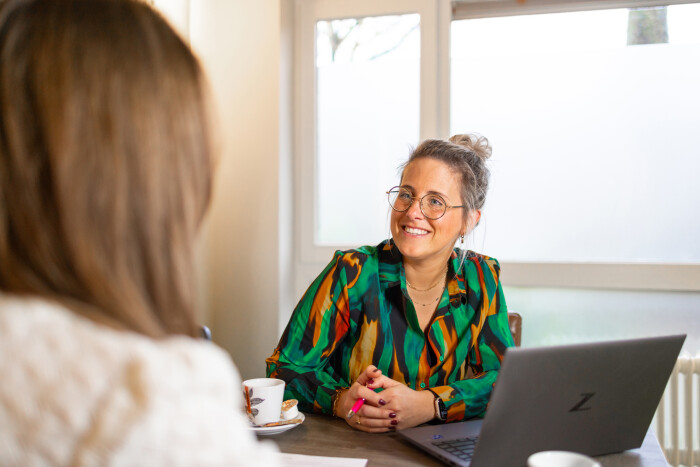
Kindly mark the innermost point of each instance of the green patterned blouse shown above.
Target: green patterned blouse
(357, 313)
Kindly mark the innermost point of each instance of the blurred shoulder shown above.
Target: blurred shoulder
(49, 332)
(163, 401)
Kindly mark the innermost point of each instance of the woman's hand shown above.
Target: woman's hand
(396, 407)
(372, 417)
(407, 407)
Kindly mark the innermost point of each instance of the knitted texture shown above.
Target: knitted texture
(74, 392)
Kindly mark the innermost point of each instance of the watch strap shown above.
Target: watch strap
(440, 409)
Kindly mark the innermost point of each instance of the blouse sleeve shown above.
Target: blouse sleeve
(315, 331)
(469, 397)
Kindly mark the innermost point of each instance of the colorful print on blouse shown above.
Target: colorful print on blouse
(357, 313)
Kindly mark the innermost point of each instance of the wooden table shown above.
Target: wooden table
(321, 435)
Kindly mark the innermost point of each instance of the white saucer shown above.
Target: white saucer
(273, 430)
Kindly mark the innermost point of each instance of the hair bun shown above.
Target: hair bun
(477, 144)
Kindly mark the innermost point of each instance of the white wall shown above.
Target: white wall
(239, 45)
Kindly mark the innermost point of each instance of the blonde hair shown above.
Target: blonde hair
(466, 155)
(105, 161)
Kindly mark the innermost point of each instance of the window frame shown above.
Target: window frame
(472, 9)
(436, 18)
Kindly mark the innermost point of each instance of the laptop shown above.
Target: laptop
(595, 398)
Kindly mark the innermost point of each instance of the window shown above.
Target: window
(594, 159)
(368, 89)
(591, 115)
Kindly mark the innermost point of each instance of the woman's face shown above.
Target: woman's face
(418, 237)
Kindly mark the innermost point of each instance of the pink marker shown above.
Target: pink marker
(355, 407)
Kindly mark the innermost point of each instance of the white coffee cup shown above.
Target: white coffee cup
(560, 459)
(263, 399)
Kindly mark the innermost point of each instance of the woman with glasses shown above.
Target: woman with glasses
(105, 176)
(421, 322)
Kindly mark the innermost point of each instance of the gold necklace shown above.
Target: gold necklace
(429, 303)
(429, 288)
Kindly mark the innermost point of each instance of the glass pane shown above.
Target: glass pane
(566, 316)
(592, 117)
(368, 117)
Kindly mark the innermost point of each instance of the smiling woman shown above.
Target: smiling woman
(424, 229)
(421, 320)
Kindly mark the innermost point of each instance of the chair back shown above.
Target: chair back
(515, 321)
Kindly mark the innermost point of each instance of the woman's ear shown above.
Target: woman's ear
(472, 221)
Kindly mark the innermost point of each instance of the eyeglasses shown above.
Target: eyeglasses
(432, 206)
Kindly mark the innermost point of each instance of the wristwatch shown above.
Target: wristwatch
(440, 409)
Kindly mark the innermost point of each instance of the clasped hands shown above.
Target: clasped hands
(394, 408)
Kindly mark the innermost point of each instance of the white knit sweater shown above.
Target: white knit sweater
(73, 392)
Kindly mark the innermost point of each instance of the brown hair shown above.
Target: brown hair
(466, 155)
(105, 161)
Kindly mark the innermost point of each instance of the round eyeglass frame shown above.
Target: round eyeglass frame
(420, 203)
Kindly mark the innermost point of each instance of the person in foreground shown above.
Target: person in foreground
(421, 320)
(105, 175)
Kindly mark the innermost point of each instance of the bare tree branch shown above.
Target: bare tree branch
(397, 45)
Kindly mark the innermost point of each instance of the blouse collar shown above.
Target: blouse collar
(392, 273)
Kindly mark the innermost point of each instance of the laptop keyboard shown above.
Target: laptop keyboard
(460, 447)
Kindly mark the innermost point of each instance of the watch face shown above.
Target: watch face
(442, 410)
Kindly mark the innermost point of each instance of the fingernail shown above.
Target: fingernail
(393, 415)
(382, 402)
(391, 428)
(371, 381)
(394, 422)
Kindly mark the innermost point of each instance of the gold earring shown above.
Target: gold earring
(462, 239)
